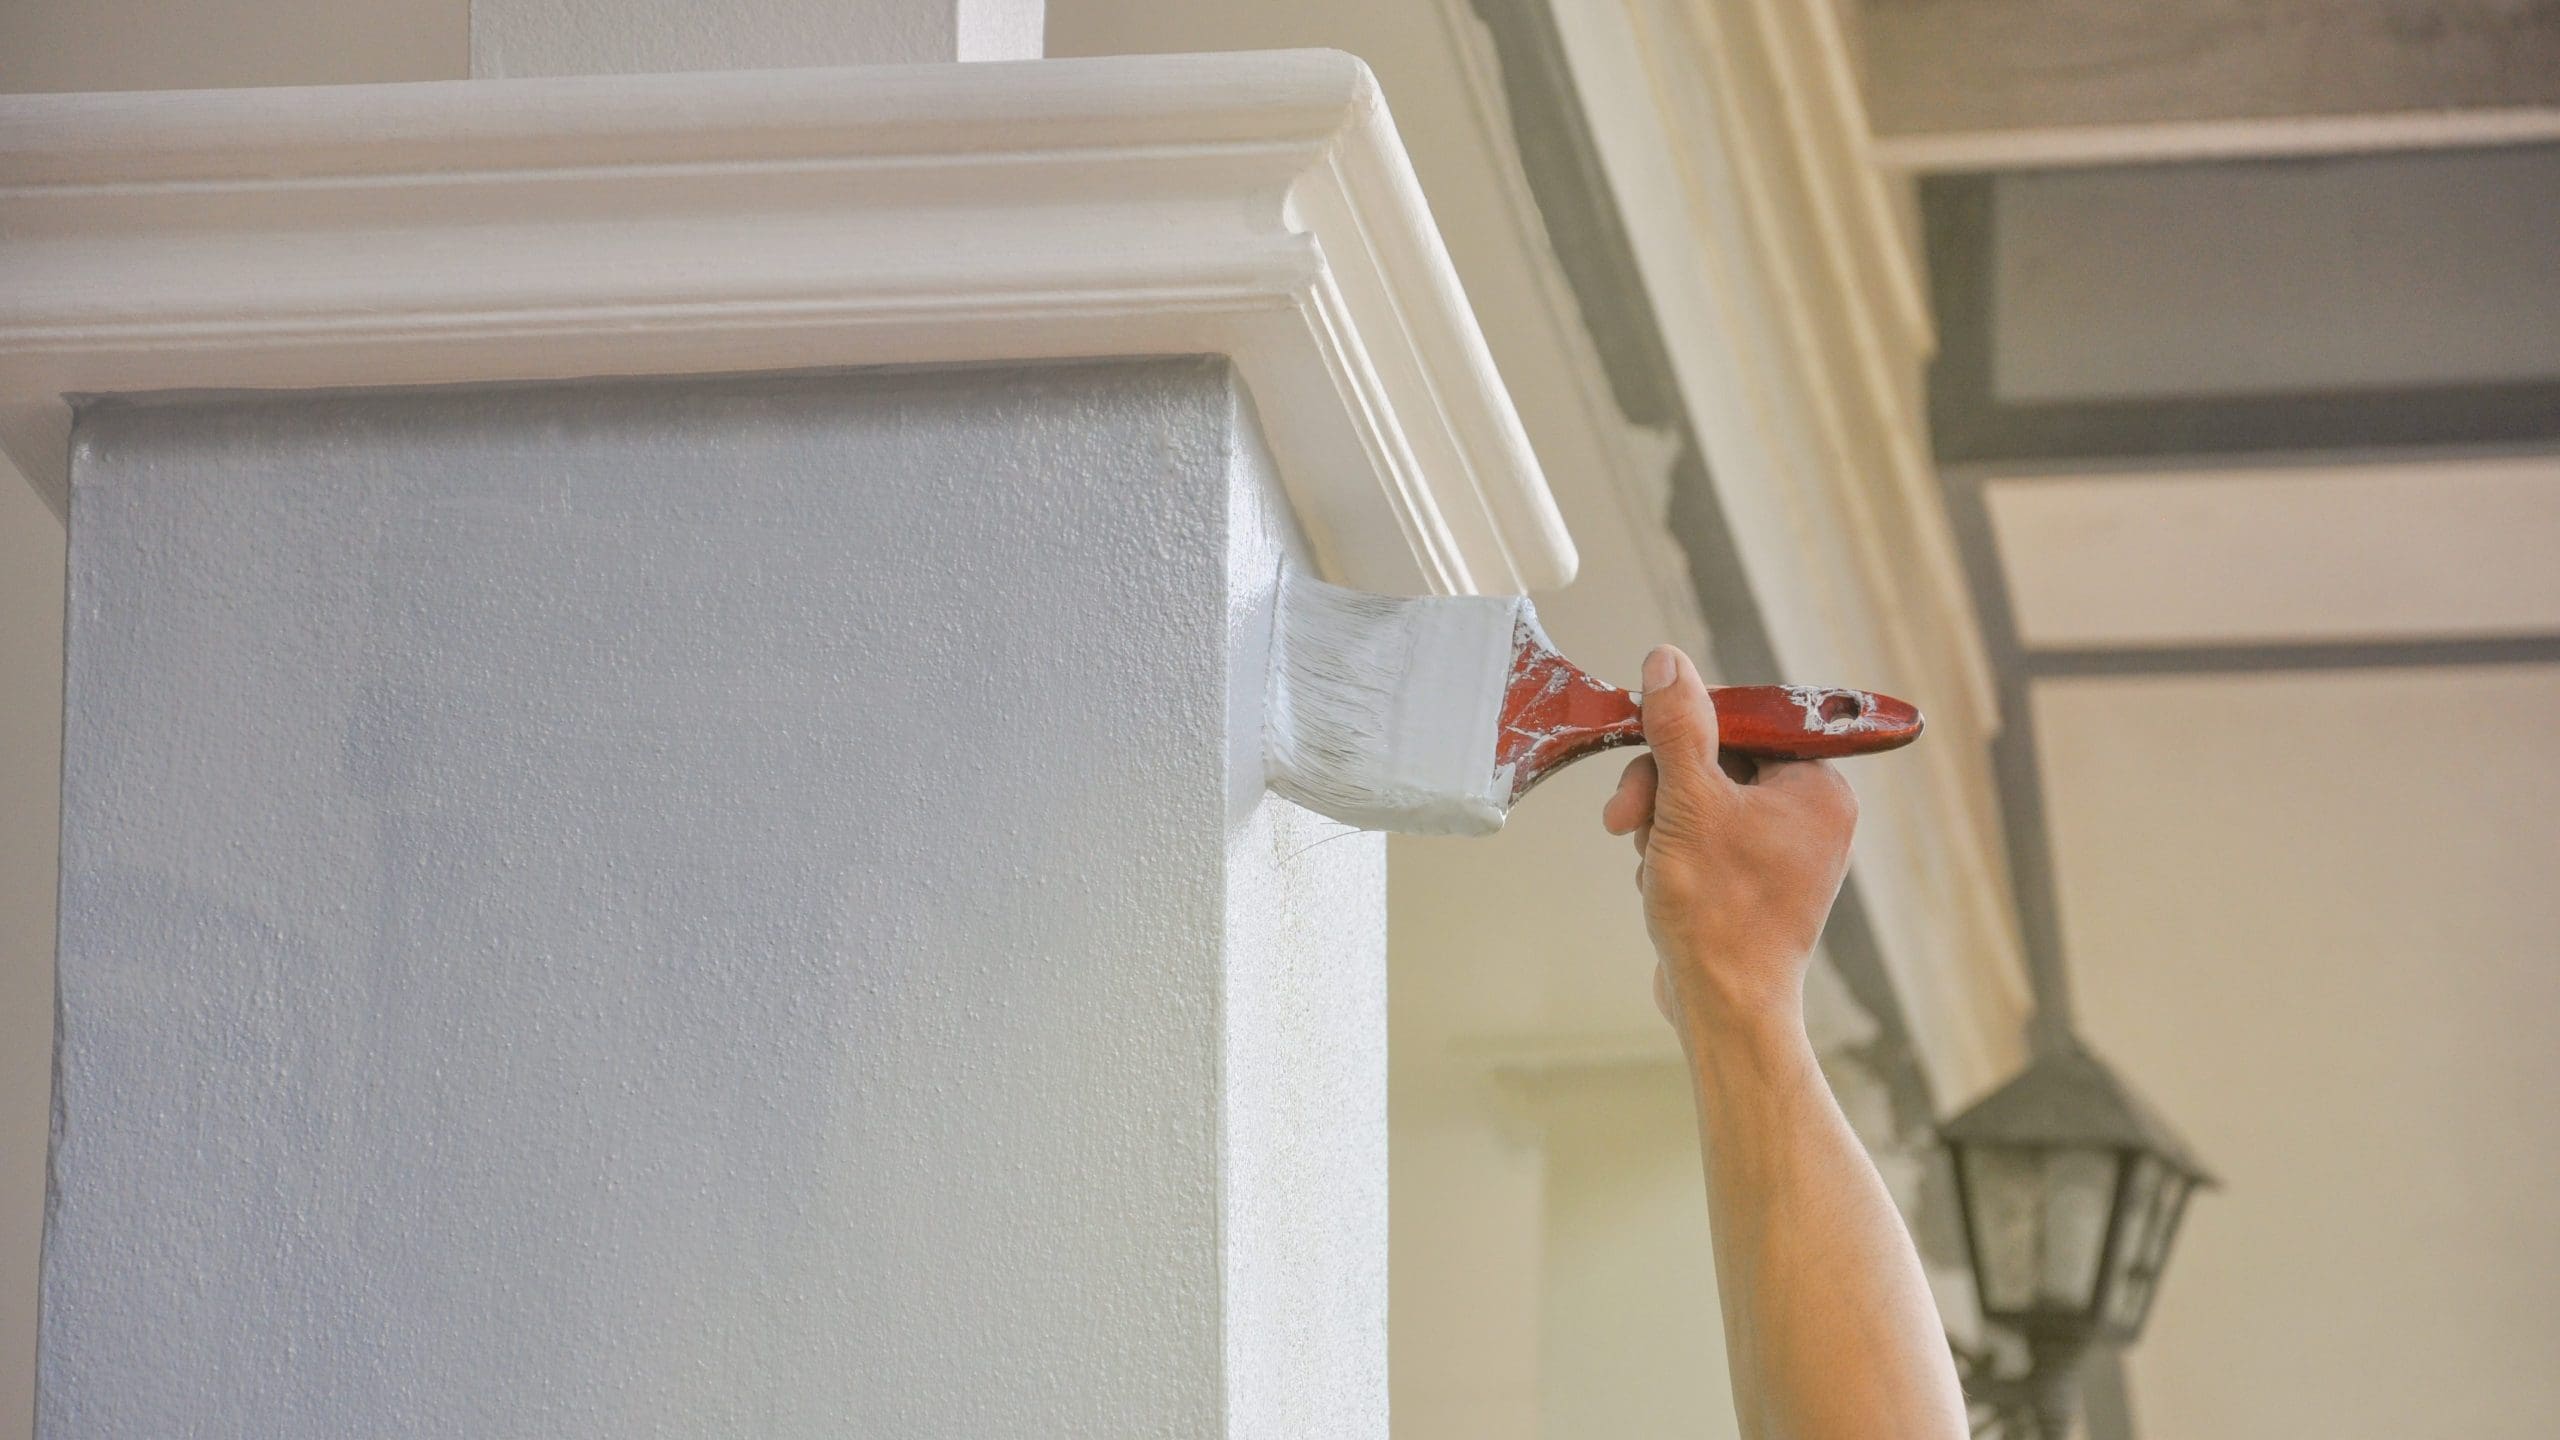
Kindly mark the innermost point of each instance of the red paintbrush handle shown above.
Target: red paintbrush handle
(1554, 713)
(1804, 722)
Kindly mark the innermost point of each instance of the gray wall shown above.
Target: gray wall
(704, 909)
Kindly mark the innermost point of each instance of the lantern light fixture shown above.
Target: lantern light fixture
(2071, 1190)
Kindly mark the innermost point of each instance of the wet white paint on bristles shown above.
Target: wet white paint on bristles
(1383, 709)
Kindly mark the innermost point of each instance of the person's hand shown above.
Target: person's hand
(1739, 866)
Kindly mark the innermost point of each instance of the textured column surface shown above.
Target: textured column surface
(702, 908)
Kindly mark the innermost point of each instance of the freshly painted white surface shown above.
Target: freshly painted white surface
(1257, 206)
(1304, 1226)
(514, 38)
(1635, 593)
(680, 908)
(116, 45)
(2310, 552)
(2327, 952)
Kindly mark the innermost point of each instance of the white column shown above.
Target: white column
(737, 898)
(514, 38)
(702, 908)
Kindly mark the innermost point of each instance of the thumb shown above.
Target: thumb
(1680, 721)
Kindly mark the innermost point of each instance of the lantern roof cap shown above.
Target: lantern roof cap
(2067, 1096)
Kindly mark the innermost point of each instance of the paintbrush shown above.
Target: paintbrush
(1434, 716)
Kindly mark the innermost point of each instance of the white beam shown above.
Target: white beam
(1941, 68)
(2072, 147)
(2454, 547)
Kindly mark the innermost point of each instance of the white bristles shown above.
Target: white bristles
(1383, 709)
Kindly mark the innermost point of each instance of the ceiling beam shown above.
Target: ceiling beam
(2451, 652)
(1972, 424)
(2000, 84)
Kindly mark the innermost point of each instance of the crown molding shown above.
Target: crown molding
(1258, 206)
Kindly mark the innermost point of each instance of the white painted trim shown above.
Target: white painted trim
(1254, 205)
(2063, 147)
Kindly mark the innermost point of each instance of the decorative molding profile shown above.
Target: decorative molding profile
(1258, 206)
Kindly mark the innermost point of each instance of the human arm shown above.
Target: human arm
(1829, 1327)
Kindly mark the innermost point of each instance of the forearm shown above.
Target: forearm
(1828, 1321)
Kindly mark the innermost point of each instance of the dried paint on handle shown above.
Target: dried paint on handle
(1554, 713)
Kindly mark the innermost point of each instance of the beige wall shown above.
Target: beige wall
(1633, 1340)
(2313, 917)
(197, 44)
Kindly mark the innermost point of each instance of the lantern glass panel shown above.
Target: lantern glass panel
(2040, 1223)
(2132, 1300)
(2145, 1207)
(2080, 1193)
(2004, 1190)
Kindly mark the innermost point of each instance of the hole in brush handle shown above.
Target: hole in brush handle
(1809, 722)
(1556, 714)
